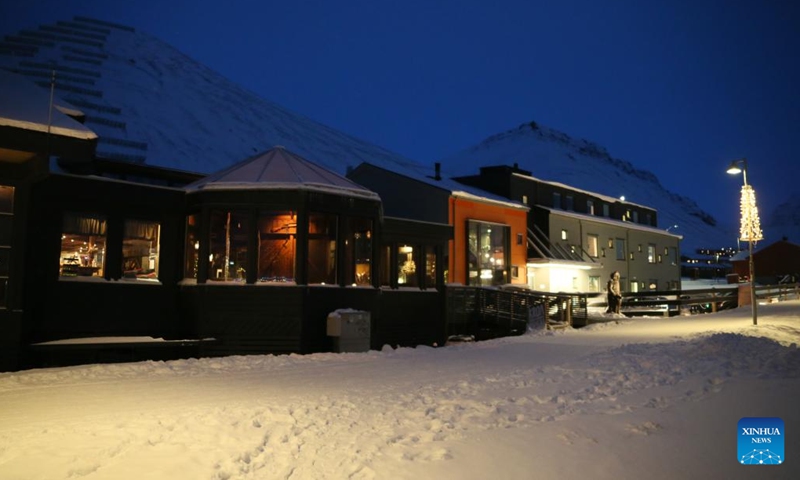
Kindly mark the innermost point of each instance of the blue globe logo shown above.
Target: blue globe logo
(761, 457)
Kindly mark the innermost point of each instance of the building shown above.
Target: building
(254, 258)
(775, 263)
(576, 238)
(486, 244)
(30, 132)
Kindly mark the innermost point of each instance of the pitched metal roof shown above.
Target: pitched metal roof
(25, 105)
(280, 169)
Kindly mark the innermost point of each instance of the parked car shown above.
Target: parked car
(645, 306)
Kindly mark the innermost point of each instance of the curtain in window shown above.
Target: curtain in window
(82, 224)
(141, 229)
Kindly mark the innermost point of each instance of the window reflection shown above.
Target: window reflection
(322, 248)
(228, 236)
(140, 250)
(277, 246)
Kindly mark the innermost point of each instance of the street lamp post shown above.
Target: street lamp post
(750, 228)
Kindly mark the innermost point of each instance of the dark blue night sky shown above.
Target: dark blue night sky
(675, 87)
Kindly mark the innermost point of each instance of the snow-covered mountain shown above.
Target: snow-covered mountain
(784, 221)
(150, 103)
(555, 156)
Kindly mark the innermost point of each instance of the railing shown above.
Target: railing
(490, 312)
(695, 301)
(487, 312)
(783, 291)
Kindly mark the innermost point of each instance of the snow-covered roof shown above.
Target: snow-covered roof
(280, 169)
(569, 187)
(455, 188)
(609, 221)
(25, 105)
(739, 256)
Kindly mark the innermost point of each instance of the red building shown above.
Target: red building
(772, 263)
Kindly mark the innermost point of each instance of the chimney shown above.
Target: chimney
(438, 168)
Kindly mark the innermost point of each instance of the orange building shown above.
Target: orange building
(489, 241)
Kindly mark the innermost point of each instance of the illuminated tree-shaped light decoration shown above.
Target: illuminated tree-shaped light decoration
(750, 229)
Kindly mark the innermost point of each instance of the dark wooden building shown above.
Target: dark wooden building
(108, 261)
(774, 263)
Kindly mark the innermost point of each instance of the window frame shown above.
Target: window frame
(151, 273)
(81, 265)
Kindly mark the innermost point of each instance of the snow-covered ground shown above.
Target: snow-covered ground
(654, 398)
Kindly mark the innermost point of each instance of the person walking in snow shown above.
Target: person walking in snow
(614, 293)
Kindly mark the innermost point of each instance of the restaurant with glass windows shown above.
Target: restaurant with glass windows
(265, 241)
(281, 246)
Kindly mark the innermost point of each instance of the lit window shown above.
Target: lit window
(406, 266)
(228, 237)
(140, 250)
(592, 244)
(358, 252)
(651, 253)
(488, 253)
(83, 245)
(277, 246)
(564, 235)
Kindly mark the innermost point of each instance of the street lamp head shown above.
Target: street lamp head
(737, 167)
(734, 170)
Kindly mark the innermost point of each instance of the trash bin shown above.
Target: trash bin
(350, 330)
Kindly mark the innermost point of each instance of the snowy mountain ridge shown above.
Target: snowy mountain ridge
(152, 104)
(555, 156)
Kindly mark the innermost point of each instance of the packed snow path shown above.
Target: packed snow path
(647, 397)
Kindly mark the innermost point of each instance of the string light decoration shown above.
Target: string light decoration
(750, 228)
